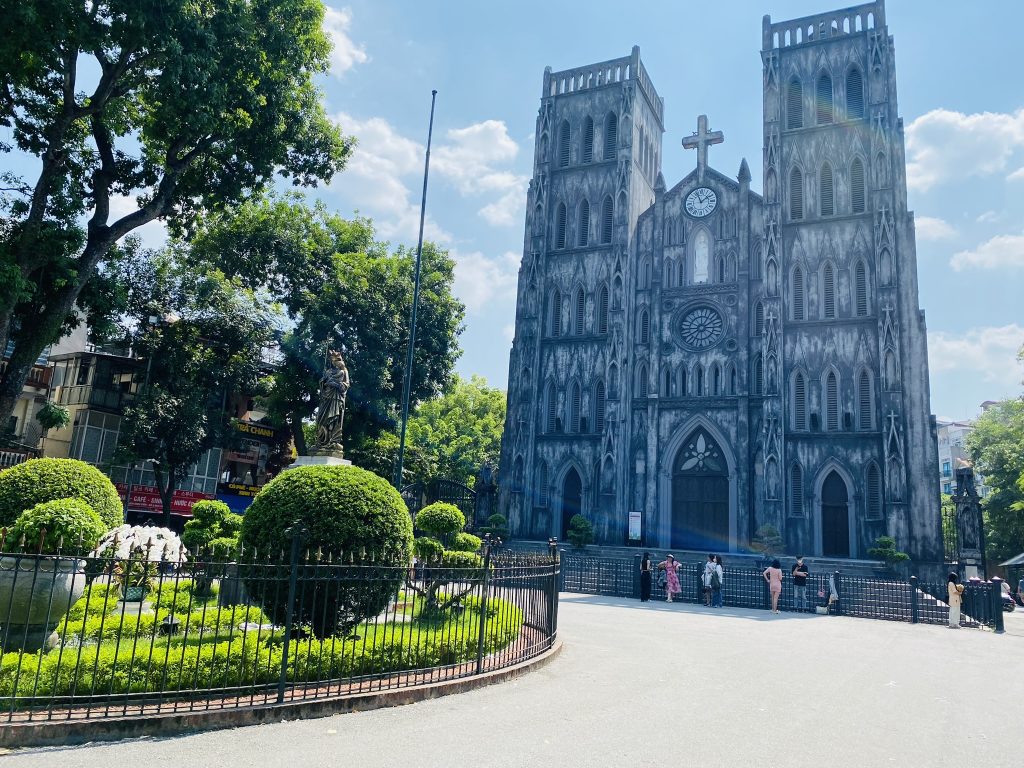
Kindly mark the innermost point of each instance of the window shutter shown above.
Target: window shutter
(832, 403)
(794, 104)
(574, 416)
(799, 402)
(611, 136)
(583, 235)
(796, 194)
(556, 313)
(874, 492)
(560, 226)
(563, 145)
(588, 141)
(854, 95)
(552, 407)
(861, 281)
(857, 186)
(824, 99)
(864, 400)
(645, 327)
(642, 383)
(798, 293)
(607, 220)
(759, 375)
(599, 407)
(581, 303)
(758, 319)
(796, 491)
(602, 311)
(830, 291)
(542, 494)
(828, 207)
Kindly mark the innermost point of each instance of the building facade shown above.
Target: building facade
(952, 441)
(709, 359)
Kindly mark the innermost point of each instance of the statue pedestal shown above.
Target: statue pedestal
(319, 461)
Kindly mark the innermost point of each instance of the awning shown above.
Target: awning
(1018, 560)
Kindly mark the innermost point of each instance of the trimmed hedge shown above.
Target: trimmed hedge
(68, 526)
(40, 480)
(440, 519)
(211, 521)
(466, 542)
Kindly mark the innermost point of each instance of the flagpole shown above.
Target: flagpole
(407, 387)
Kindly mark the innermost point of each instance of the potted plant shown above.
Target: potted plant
(42, 575)
(135, 554)
(885, 550)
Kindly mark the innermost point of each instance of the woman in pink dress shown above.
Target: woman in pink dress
(671, 568)
(773, 575)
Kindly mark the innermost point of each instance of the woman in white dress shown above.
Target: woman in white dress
(956, 596)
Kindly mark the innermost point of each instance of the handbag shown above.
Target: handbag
(661, 578)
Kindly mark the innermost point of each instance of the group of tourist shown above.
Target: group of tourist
(713, 576)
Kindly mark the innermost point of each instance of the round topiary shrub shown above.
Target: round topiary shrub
(428, 550)
(211, 520)
(41, 480)
(466, 542)
(441, 519)
(581, 532)
(349, 514)
(68, 526)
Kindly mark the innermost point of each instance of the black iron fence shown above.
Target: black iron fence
(890, 599)
(99, 637)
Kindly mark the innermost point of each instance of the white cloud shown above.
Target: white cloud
(987, 217)
(944, 144)
(472, 152)
(152, 235)
(345, 54)
(930, 228)
(1000, 251)
(1017, 175)
(481, 281)
(989, 353)
(508, 331)
(507, 210)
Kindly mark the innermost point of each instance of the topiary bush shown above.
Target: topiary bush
(581, 532)
(885, 550)
(67, 526)
(465, 542)
(211, 521)
(497, 526)
(428, 550)
(350, 514)
(441, 520)
(40, 480)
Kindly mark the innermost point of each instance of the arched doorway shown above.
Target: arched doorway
(700, 495)
(835, 517)
(572, 499)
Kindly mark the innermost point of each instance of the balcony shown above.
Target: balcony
(38, 377)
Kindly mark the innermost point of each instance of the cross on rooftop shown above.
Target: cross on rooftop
(700, 141)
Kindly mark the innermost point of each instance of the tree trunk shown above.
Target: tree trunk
(298, 435)
(13, 380)
(166, 490)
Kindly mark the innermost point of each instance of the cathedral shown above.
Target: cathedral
(692, 364)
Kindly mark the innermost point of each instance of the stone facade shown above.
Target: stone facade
(717, 360)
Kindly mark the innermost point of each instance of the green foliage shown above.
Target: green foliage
(183, 596)
(39, 480)
(211, 521)
(885, 550)
(64, 526)
(997, 448)
(98, 600)
(767, 540)
(465, 542)
(441, 519)
(53, 416)
(456, 559)
(428, 550)
(581, 532)
(345, 511)
(497, 526)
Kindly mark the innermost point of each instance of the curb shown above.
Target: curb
(69, 732)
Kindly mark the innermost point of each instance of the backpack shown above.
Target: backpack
(716, 580)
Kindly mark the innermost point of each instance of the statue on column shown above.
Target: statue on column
(330, 414)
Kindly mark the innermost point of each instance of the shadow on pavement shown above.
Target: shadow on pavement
(695, 608)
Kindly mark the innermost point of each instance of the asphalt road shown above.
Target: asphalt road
(661, 685)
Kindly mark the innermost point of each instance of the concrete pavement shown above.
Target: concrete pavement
(681, 685)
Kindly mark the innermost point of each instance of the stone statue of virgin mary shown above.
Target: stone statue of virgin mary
(330, 414)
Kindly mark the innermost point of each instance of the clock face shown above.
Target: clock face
(701, 201)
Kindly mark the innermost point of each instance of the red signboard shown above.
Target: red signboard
(146, 498)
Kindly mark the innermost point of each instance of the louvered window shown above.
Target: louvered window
(542, 483)
(860, 280)
(563, 145)
(759, 375)
(560, 221)
(699, 389)
(824, 100)
(796, 491)
(798, 293)
(857, 186)
(607, 220)
(732, 379)
(829, 280)
(831, 403)
(599, 407)
(799, 402)
(556, 313)
(581, 303)
(602, 310)
(758, 319)
(588, 141)
(645, 327)
(552, 409)
(874, 492)
(796, 194)
(864, 400)
(794, 104)
(641, 384)
(574, 413)
(828, 207)
(611, 136)
(854, 95)
(682, 381)
(583, 233)
(716, 381)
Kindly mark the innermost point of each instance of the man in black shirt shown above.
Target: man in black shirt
(800, 572)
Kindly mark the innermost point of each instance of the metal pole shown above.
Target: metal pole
(131, 469)
(407, 386)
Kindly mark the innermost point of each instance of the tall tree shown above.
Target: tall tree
(997, 448)
(200, 338)
(185, 105)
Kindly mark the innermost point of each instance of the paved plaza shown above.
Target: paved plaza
(681, 685)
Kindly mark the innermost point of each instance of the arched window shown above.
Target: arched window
(517, 475)
(574, 408)
(682, 380)
(891, 372)
(794, 104)
(698, 388)
(716, 380)
(758, 319)
(832, 402)
(881, 170)
(824, 100)
(826, 192)
(581, 304)
(799, 402)
(583, 230)
(755, 262)
(732, 379)
(563, 144)
(797, 294)
(588, 140)
(599, 407)
(542, 484)
(860, 283)
(874, 492)
(641, 381)
(645, 274)
(644, 326)
(611, 136)
(865, 417)
(560, 221)
(720, 269)
(613, 380)
(556, 313)
(759, 374)
(854, 95)
(771, 186)
(701, 256)
(607, 219)
(602, 310)
(796, 491)
(857, 185)
(550, 408)
(796, 194)
(666, 382)
(828, 280)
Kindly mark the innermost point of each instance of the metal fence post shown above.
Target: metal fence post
(636, 576)
(914, 606)
(297, 533)
(997, 604)
(838, 603)
(483, 611)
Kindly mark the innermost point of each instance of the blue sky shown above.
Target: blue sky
(963, 109)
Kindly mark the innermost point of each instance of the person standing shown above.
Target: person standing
(705, 579)
(645, 578)
(1020, 591)
(717, 574)
(956, 598)
(799, 573)
(773, 575)
(671, 569)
